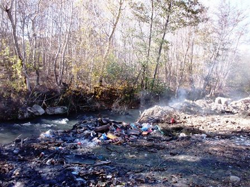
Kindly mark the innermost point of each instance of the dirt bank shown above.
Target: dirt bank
(15, 105)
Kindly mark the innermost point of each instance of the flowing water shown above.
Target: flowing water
(34, 127)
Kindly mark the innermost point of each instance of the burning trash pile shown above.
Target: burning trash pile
(159, 114)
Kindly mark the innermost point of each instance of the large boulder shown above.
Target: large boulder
(29, 112)
(57, 110)
(36, 110)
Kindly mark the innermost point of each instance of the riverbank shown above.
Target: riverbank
(23, 105)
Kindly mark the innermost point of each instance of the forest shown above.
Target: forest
(119, 49)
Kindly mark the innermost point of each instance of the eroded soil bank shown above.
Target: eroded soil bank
(18, 105)
(192, 151)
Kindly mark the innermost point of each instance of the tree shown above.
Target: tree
(166, 16)
(110, 37)
(145, 13)
(8, 8)
(226, 32)
(168, 12)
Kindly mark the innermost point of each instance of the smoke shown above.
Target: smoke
(180, 97)
(145, 98)
(238, 84)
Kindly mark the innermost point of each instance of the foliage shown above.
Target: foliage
(133, 45)
(12, 66)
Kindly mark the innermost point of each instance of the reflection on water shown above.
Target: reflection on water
(11, 130)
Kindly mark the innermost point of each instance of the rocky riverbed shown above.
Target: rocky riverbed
(174, 149)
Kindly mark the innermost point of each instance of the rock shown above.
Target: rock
(56, 110)
(25, 113)
(36, 110)
(234, 179)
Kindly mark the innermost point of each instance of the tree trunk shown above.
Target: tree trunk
(17, 47)
(64, 48)
(161, 44)
(55, 63)
(145, 68)
(109, 43)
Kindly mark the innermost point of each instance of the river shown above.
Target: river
(9, 131)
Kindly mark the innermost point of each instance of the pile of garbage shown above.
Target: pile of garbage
(97, 131)
(66, 157)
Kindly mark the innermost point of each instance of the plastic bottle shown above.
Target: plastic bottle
(146, 126)
(104, 137)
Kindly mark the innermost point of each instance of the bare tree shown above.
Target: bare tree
(168, 11)
(110, 37)
(227, 32)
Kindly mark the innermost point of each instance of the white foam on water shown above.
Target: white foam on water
(61, 121)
